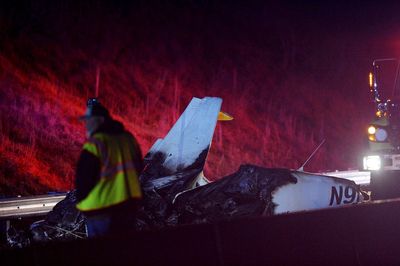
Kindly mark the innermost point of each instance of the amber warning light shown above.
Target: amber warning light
(371, 80)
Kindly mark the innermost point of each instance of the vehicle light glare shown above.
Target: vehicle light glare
(372, 162)
(371, 79)
(371, 130)
(381, 134)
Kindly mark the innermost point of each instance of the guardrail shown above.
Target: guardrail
(18, 207)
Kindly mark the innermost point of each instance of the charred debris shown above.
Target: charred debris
(169, 201)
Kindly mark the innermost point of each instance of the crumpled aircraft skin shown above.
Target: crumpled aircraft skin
(172, 195)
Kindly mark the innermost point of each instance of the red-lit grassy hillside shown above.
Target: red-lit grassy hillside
(151, 63)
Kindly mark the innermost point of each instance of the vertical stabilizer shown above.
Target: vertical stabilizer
(187, 143)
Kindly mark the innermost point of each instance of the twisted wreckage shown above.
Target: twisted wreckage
(176, 192)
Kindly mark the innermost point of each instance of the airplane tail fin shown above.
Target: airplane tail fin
(185, 147)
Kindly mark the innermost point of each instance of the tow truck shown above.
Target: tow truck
(383, 156)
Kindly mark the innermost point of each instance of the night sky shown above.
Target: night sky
(291, 74)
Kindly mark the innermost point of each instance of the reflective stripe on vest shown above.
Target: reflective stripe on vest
(118, 178)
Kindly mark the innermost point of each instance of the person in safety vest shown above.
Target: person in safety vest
(107, 184)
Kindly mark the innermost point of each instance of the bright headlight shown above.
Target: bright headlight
(371, 130)
(372, 162)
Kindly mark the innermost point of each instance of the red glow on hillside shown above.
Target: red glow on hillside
(147, 66)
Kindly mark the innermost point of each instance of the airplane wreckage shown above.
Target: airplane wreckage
(177, 193)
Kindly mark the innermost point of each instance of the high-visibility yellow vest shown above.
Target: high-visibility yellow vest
(119, 177)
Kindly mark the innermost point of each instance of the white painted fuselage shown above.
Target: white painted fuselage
(313, 192)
